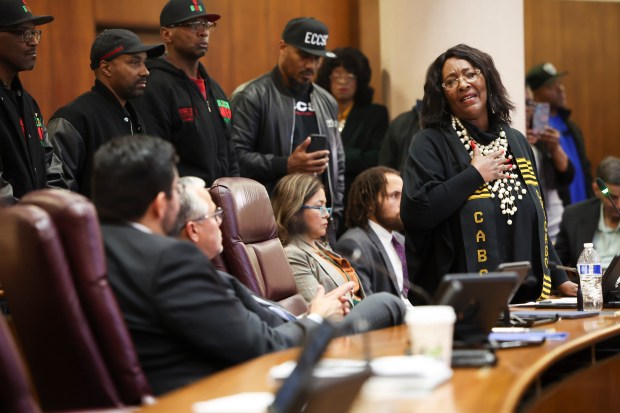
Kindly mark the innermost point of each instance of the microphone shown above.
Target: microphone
(554, 265)
(356, 255)
(601, 185)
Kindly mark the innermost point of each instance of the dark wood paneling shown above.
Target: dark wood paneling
(244, 45)
(581, 37)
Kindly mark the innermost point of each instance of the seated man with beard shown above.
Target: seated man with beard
(372, 243)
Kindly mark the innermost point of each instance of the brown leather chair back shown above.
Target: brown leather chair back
(15, 391)
(62, 353)
(76, 222)
(252, 250)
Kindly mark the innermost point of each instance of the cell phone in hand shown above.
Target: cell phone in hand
(317, 143)
(540, 118)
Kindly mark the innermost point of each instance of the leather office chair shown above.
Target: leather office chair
(252, 250)
(76, 222)
(16, 394)
(15, 391)
(64, 359)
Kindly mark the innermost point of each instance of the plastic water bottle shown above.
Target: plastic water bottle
(589, 268)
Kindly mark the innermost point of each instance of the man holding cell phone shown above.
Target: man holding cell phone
(284, 123)
(546, 84)
(554, 168)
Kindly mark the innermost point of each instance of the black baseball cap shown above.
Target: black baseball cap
(309, 35)
(542, 74)
(14, 12)
(178, 11)
(111, 43)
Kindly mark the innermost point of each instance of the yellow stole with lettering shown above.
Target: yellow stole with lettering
(478, 217)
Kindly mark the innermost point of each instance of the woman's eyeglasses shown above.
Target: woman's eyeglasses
(468, 77)
(323, 210)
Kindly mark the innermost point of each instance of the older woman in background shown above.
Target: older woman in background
(362, 124)
(301, 214)
(471, 197)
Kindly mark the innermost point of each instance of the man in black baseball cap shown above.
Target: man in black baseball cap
(115, 42)
(270, 142)
(182, 103)
(117, 56)
(27, 159)
(543, 74)
(546, 84)
(309, 35)
(16, 12)
(180, 11)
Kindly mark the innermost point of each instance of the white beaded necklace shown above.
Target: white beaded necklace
(507, 189)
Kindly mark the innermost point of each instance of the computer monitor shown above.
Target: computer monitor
(478, 300)
(521, 268)
(611, 293)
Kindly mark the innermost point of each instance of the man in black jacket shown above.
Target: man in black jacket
(78, 129)
(182, 104)
(27, 159)
(276, 113)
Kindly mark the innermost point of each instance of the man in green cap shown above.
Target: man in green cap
(27, 159)
(546, 84)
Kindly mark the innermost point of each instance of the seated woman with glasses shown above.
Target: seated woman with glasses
(362, 124)
(302, 218)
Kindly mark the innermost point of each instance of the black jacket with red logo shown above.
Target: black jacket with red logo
(173, 108)
(27, 160)
(78, 129)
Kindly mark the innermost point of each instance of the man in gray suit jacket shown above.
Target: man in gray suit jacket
(372, 243)
(186, 319)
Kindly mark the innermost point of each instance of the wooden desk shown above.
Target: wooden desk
(535, 379)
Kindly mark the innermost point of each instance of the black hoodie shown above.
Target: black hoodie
(174, 109)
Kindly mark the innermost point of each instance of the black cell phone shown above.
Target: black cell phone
(473, 358)
(317, 143)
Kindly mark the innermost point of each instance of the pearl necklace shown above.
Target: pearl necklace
(507, 189)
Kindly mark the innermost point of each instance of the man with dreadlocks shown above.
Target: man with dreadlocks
(372, 243)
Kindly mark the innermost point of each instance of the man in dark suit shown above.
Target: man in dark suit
(372, 243)
(186, 319)
(594, 220)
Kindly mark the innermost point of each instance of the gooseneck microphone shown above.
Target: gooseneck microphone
(601, 185)
(554, 265)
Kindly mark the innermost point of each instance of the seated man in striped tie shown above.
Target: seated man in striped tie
(372, 242)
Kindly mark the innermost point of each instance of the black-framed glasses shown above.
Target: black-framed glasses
(26, 34)
(323, 210)
(217, 215)
(197, 26)
(469, 76)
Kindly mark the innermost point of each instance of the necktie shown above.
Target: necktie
(282, 313)
(400, 251)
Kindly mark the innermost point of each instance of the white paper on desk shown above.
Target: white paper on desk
(421, 372)
(425, 368)
(563, 300)
(249, 402)
(325, 368)
(405, 377)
